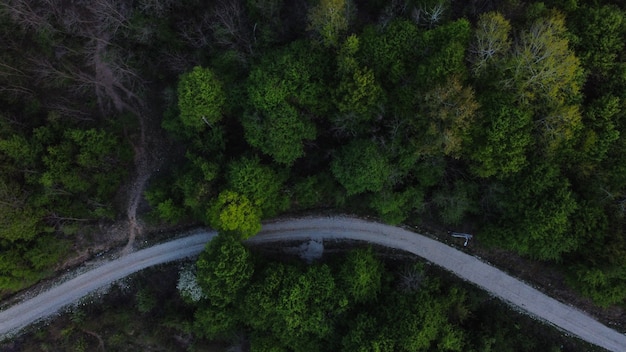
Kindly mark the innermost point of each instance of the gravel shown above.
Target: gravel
(315, 230)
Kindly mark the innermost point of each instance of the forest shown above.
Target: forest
(506, 116)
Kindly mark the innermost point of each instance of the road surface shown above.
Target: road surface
(465, 266)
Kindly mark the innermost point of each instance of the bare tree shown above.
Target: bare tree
(430, 15)
(230, 26)
(491, 40)
(157, 8)
(197, 33)
(28, 14)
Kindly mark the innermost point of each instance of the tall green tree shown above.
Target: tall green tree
(261, 184)
(534, 214)
(360, 167)
(359, 98)
(501, 136)
(234, 212)
(361, 276)
(286, 92)
(224, 269)
(201, 98)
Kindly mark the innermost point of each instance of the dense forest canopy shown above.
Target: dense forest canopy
(506, 115)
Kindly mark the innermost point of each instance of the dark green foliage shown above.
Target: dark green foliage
(394, 207)
(455, 202)
(317, 190)
(510, 112)
(361, 276)
(359, 98)
(285, 91)
(535, 213)
(441, 52)
(502, 135)
(599, 38)
(224, 269)
(390, 53)
(348, 303)
(361, 167)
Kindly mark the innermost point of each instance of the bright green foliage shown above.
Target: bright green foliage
(360, 167)
(360, 276)
(259, 183)
(330, 19)
(234, 212)
(200, 99)
(224, 269)
(502, 135)
(285, 92)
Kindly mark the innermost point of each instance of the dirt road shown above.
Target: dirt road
(467, 267)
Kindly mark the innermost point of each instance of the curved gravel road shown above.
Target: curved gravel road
(465, 266)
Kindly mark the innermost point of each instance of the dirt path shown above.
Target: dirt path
(137, 187)
(465, 266)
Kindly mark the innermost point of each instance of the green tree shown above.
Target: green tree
(446, 115)
(224, 269)
(393, 207)
(223, 272)
(359, 98)
(330, 19)
(19, 220)
(234, 212)
(361, 275)
(441, 53)
(201, 99)
(285, 92)
(389, 52)
(360, 167)
(259, 183)
(501, 136)
(535, 208)
(599, 38)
